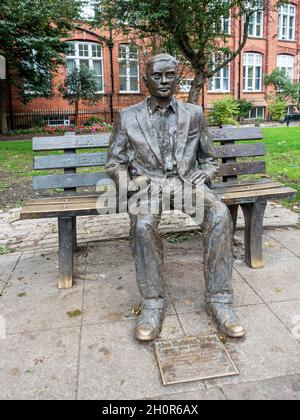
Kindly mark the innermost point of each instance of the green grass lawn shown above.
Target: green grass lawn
(283, 160)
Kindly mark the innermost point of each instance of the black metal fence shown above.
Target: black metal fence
(21, 119)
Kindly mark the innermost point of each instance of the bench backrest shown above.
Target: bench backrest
(229, 145)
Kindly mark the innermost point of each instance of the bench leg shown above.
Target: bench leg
(254, 219)
(74, 233)
(234, 214)
(65, 230)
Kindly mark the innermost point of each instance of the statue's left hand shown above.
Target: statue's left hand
(199, 178)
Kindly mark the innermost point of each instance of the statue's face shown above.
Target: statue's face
(161, 79)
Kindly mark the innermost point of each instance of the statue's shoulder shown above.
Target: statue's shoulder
(194, 109)
(133, 109)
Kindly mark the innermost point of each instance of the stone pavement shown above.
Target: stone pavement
(78, 343)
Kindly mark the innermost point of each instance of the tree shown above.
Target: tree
(285, 90)
(30, 40)
(79, 85)
(197, 29)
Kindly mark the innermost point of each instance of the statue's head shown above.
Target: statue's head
(161, 76)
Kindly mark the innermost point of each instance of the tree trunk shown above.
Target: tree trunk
(76, 113)
(3, 105)
(197, 86)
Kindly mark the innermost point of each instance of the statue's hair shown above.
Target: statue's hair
(159, 58)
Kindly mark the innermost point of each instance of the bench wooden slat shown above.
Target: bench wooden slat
(252, 196)
(43, 144)
(82, 160)
(67, 181)
(236, 134)
(246, 188)
(242, 168)
(240, 150)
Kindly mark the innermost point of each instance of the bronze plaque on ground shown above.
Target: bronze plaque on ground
(193, 358)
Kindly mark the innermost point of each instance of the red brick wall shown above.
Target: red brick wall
(269, 46)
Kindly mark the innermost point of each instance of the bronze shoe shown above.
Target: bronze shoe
(150, 321)
(227, 320)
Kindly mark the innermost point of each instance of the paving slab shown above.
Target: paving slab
(273, 250)
(276, 282)
(39, 366)
(289, 314)
(115, 366)
(288, 238)
(7, 264)
(112, 295)
(285, 388)
(268, 351)
(186, 285)
(32, 301)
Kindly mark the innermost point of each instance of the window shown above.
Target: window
(185, 85)
(57, 121)
(256, 25)
(88, 9)
(252, 77)
(257, 112)
(286, 63)
(226, 24)
(220, 82)
(129, 69)
(286, 22)
(87, 54)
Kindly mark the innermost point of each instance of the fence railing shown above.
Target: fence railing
(55, 117)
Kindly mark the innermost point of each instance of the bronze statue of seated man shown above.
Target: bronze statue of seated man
(165, 142)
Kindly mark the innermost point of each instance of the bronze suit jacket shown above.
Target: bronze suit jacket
(134, 148)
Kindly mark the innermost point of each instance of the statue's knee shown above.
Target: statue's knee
(142, 228)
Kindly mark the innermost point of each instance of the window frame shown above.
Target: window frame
(254, 66)
(77, 58)
(256, 108)
(256, 25)
(285, 12)
(286, 68)
(128, 75)
(212, 80)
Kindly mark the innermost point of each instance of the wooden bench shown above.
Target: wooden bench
(251, 194)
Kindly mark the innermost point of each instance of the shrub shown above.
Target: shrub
(277, 109)
(244, 108)
(92, 121)
(224, 111)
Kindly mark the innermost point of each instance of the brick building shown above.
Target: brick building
(274, 41)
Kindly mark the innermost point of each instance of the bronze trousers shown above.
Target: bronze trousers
(217, 227)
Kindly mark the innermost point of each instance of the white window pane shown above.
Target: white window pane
(99, 83)
(96, 51)
(97, 68)
(84, 63)
(123, 84)
(134, 84)
(134, 69)
(70, 65)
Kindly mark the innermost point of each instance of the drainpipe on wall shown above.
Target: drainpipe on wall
(110, 45)
(240, 60)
